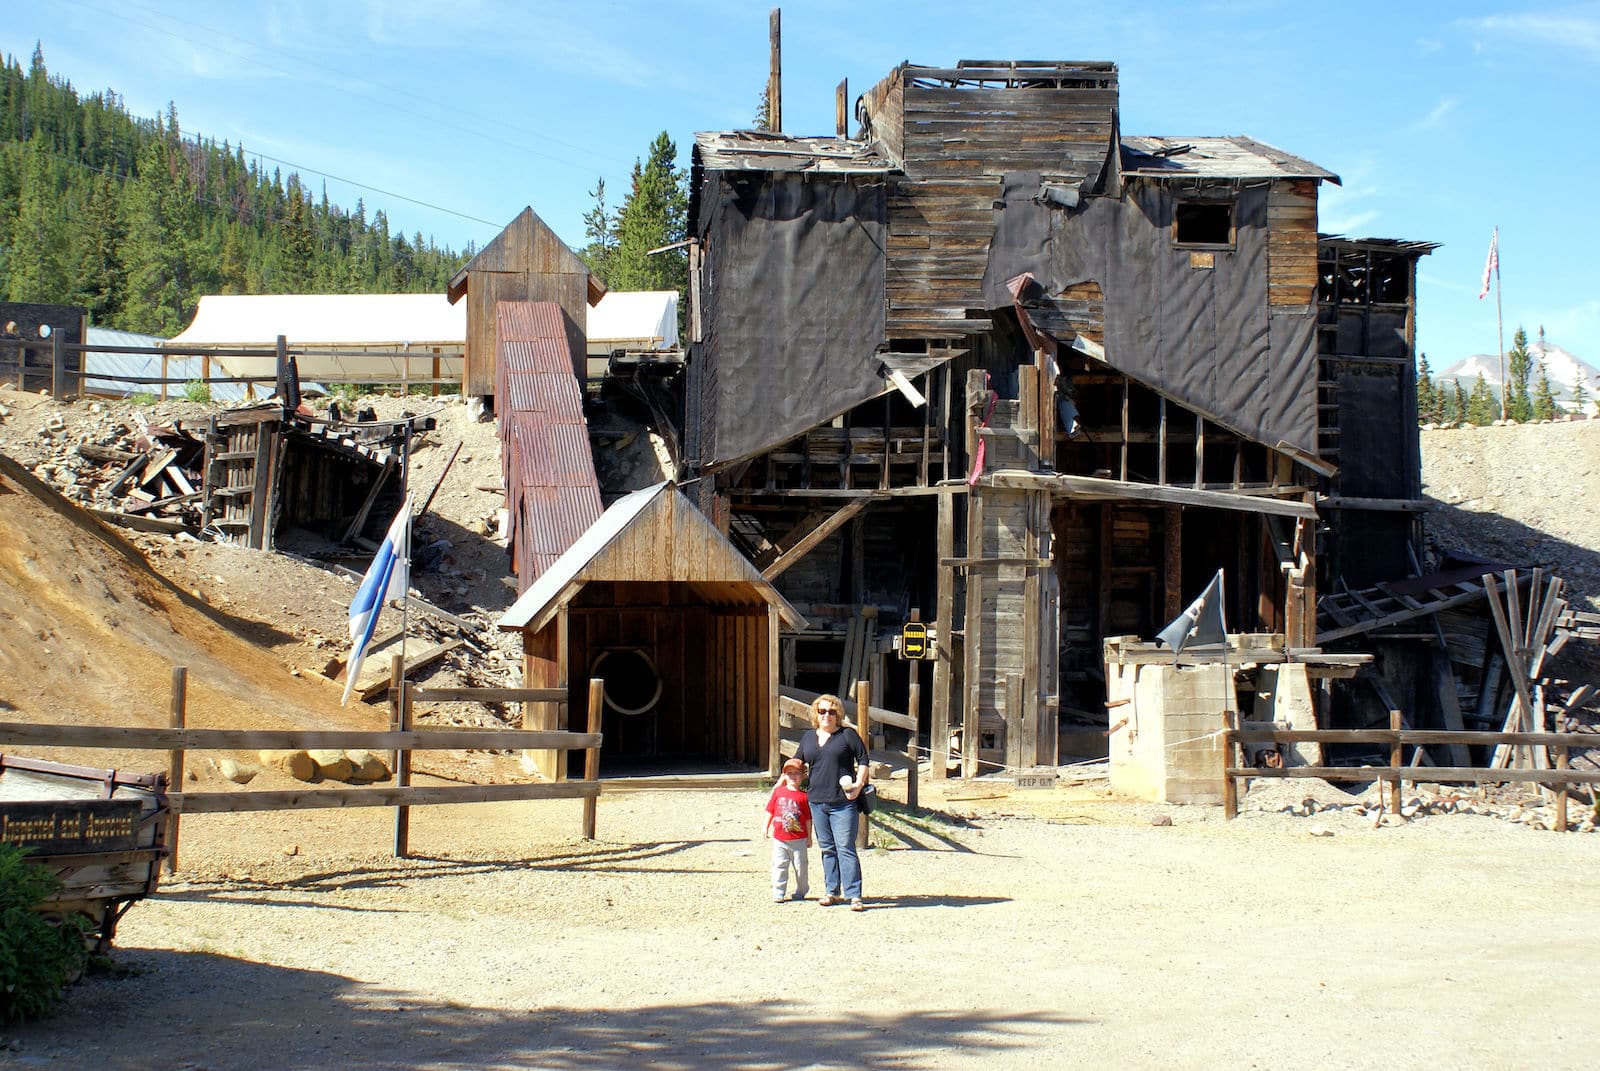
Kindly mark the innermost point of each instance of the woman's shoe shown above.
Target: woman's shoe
(857, 905)
(827, 901)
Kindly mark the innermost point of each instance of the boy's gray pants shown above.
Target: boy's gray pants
(786, 854)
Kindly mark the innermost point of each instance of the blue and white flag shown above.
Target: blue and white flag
(1201, 623)
(387, 578)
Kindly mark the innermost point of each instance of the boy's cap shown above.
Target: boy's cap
(794, 764)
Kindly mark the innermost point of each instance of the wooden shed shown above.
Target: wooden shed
(524, 262)
(684, 631)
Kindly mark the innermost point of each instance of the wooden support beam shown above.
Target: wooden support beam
(1096, 489)
(825, 528)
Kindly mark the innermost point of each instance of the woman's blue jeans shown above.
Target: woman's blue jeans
(835, 825)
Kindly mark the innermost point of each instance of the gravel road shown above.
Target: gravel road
(1046, 929)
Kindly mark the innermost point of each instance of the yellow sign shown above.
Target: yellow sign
(914, 640)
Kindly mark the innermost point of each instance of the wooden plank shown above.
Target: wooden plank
(1475, 774)
(809, 542)
(1090, 488)
(177, 716)
(796, 700)
(309, 799)
(155, 739)
(490, 695)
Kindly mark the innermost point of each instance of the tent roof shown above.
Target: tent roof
(649, 317)
(325, 320)
(654, 534)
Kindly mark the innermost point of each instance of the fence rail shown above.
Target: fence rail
(1397, 773)
(50, 363)
(400, 739)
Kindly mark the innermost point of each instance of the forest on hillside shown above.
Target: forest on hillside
(134, 221)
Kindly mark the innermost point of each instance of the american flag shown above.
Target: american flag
(1492, 264)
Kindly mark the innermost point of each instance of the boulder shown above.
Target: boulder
(368, 767)
(297, 764)
(333, 765)
(236, 771)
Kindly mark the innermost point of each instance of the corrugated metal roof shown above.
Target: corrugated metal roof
(116, 365)
(1236, 156)
(553, 495)
(761, 150)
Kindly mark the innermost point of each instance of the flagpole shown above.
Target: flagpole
(1500, 325)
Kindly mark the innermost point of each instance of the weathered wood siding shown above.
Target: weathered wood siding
(954, 146)
(1292, 242)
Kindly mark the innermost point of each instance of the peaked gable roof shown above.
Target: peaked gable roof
(526, 244)
(653, 534)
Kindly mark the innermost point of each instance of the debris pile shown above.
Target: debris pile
(1509, 803)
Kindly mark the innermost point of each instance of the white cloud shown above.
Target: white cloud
(1576, 32)
(1437, 115)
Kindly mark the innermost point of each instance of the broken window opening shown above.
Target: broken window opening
(1203, 223)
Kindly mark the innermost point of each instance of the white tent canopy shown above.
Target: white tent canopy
(633, 320)
(327, 321)
(361, 337)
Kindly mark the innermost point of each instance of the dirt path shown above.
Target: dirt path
(1081, 934)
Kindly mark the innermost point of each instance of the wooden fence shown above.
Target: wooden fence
(63, 366)
(400, 739)
(1396, 773)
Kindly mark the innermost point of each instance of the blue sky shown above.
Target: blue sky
(1444, 120)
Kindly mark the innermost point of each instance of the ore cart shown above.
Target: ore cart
(102, 832)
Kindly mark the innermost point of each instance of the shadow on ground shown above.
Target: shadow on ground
(176, 1010)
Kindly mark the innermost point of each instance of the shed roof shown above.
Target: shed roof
(764, 150)
(653, 534)
(117, 372)
(1236, 156)
(526, 244)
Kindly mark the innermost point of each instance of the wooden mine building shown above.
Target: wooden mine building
(994, 361)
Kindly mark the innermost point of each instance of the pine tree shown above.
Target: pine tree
(655, 214)
(1427, 394)
(1544, 399)
(100, 280)
(1458, 404)
(600, 228)
(160, 211)
(1519, 406)
(1480, 407)
(1580, 395)
(37, 260)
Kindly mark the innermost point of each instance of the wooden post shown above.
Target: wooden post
(1563, 762)
(864, 727)
(1396, 723)
(944, 640)
(58, 367)
(398, 718)
(1230, 787)
(165, 371)
(841, 108)
(913, 708)
(591, 756)
(179, 708)
(775, 71)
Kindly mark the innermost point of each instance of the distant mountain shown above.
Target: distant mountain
(1561, 366)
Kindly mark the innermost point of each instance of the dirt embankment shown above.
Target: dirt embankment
(1523, 494)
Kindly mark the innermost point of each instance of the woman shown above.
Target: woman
(839, 770)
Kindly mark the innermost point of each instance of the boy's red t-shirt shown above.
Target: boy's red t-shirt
(791, 813)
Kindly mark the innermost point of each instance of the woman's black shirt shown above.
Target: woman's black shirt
(841, 755)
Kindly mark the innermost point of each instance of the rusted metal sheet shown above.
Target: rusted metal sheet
(553, 495)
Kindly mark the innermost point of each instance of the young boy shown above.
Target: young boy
(789, 826)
